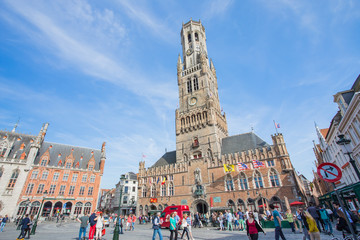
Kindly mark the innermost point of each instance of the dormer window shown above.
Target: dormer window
(68, 165)
(43, 162)
(91, 167)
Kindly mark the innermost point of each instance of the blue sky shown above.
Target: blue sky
(106, 70)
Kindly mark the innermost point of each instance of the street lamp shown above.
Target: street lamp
(27, 203)
(117, 230)
(343, 142)
(33, 230)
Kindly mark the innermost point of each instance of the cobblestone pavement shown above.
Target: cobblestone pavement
(53, 231)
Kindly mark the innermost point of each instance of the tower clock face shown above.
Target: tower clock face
(189, 52)
(192, 101)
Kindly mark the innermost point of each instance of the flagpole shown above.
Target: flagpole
(275, 127)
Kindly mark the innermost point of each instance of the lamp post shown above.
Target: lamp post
(27, 203)
(343, 142)
(117, 230)
(33, 230)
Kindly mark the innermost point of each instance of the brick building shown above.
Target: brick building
(194, 173)
(71, 175)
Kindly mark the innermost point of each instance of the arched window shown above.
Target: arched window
(189, 87)
(243, 184)
(189, 38)
(78, 208)
(3, 148)
(153, 190)
(241, 205)
(196, 36)
(182, 122)
(34, 208)
(163, 190)
(274, 179)
(185, 157)
(196, 83)
(144, 190)
(160, 207)
(23, 208)
(229, 185)
(13, 179)
(87, 208)
(258, 180)
(171, 189)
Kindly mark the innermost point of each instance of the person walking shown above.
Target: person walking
(290, 218)
(229, 220)
(313, 229)
(253, 227)
(342, 224)
(28, 229)
(24, 225)
(133, 222)
(241, 221)
(277, 223)
(185, 225)
(156, 226)
(128, 222)
(172, 226)
(298, 220)
(4, 220)
(84, 220)
(337, 207)
(92, 221)
(326, 219)
(221, 221)
(99, 226)
(314, 213)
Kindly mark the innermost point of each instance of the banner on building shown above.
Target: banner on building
(229, 168)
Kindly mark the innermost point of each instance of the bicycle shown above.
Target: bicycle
(346, 236)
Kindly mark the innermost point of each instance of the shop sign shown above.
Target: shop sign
(217, 199)
(153, 200)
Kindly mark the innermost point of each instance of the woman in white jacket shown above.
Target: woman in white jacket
(99, 226)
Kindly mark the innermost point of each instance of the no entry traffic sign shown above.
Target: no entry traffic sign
(329, 172)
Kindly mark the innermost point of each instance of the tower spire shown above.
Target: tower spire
(16, 125)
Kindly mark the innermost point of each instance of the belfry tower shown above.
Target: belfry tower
(200, 123)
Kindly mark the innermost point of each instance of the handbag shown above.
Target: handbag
(103, 231)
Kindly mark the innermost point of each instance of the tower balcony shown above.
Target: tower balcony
(191, 70)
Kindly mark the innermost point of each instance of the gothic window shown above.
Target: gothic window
(196, 83)
(78, 208)
(196, 37)
(270, 163)
(182, 122)
(243, 181)
(189, 38)
(198, 117)
(91, 167)
(189, 87)
(183, 180)
(163, 190)
(258, 180)
(274, 179)
(171, 189)
(229, 184)
(193, 118)
(153, 190)
(205, 115)
(13, 179)
(144, 190)
(212, 177)
(3, 151)
(87, 208)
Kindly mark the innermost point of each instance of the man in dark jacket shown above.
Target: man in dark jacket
(24, 225)
(304, 223)
(314, 213)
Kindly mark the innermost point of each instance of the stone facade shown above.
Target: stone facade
(71, 175)
(17, 154)
(194, 174)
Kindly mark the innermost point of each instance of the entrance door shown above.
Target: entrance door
(202, 207)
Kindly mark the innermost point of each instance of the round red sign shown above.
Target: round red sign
(329, 172)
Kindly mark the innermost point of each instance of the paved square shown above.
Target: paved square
(70, 230)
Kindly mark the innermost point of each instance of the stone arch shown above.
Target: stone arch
(153, 207)
(78, 208)
(34, 208)
(87, 208)
(241, 205)
(275, 200)
(251, 204)
(200, 205)
(47, 209)
(231, 204)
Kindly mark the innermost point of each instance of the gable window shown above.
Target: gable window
(243, 182)
(44, 175)
(189, 87)
(29, 188)
(274, 179)
(91, 167)
(44, 162)
(258, 180)
(13, 179)
(34, 174)
(68, 165)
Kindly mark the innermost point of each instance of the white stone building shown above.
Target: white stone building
(129, 195)
(17, 154)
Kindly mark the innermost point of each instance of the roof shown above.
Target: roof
(132, 176)
(241, 142)
(166, 159)
(61, 151)
(20, 141)
(324, 132)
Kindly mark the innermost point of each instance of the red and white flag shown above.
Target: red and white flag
(242, 166)
(257, 164)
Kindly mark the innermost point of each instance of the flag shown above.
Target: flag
(242, 166)
(163, 181)
(277, 125)
(143, 156)
(158, 180)
(257, 164)
(229, 168)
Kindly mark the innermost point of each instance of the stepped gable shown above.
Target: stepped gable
(65, 150)
(17, 141)
(242, 142)
(167, 159)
